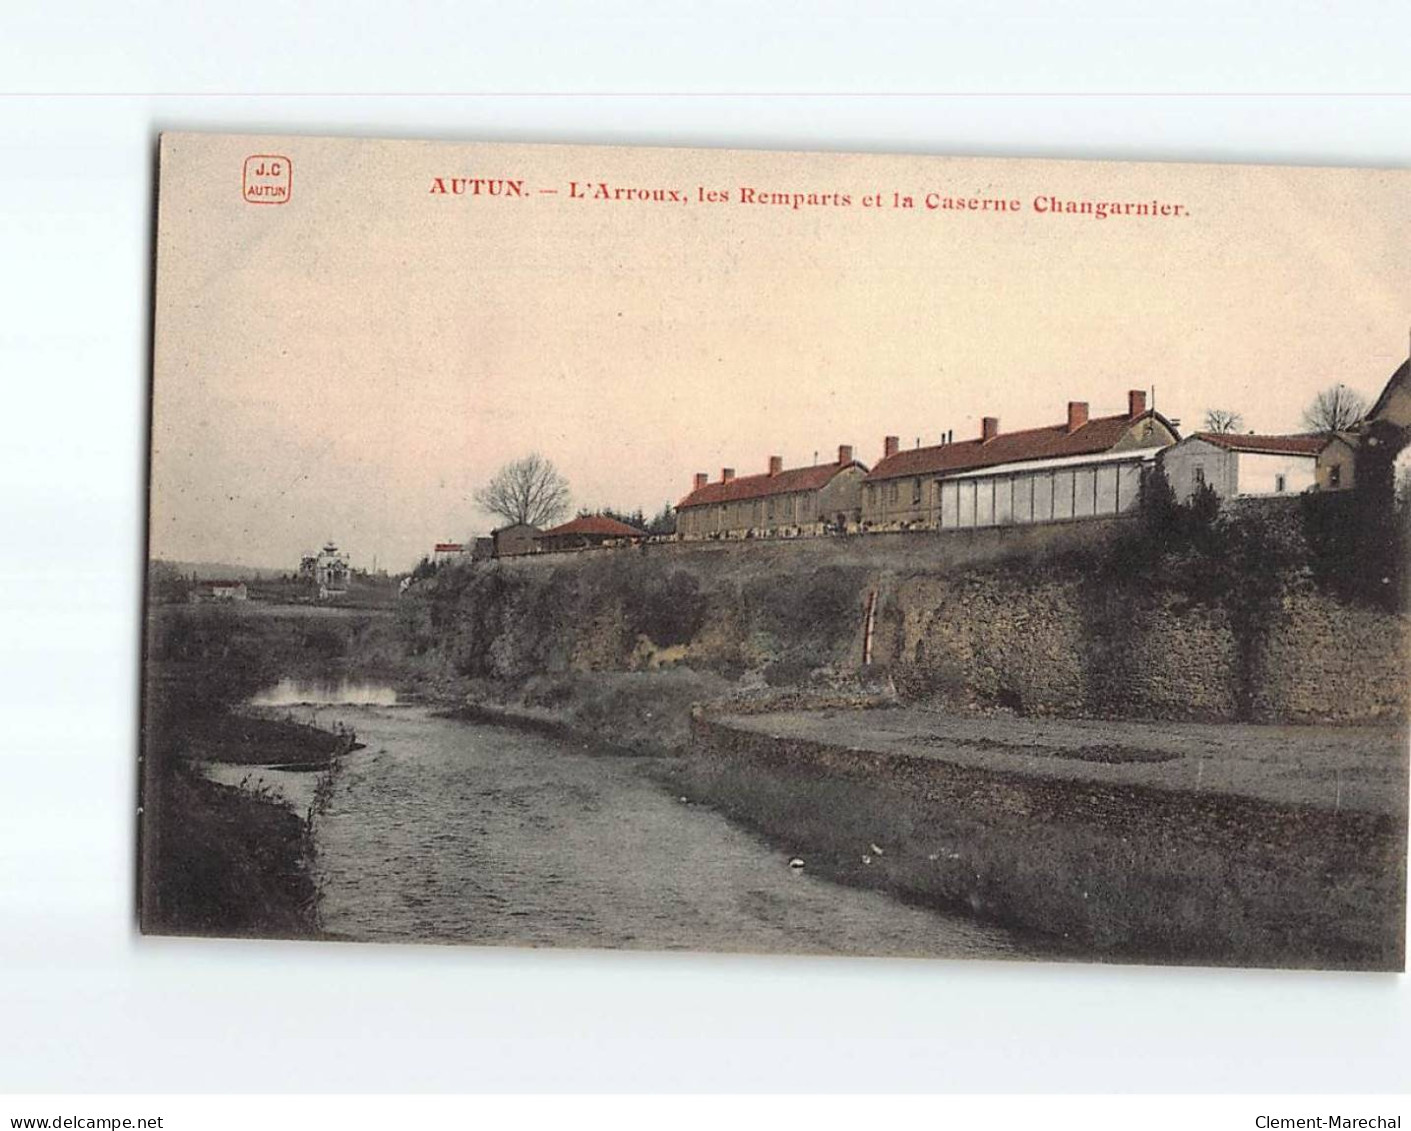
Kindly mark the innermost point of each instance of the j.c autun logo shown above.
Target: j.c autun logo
(268, 179)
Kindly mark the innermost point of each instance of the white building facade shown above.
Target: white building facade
(1242, 466)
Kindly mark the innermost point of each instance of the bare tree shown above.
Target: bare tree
(1335, 408)
(1222, 420)
(529, 490)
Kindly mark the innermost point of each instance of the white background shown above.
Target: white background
(85, 1004)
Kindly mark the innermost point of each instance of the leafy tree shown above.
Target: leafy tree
(1222, 420)
(165, 584)
(529, 490)
(1167, 535)
(1200, 517)
(1158, 508)
(1334, 409)
(664, 521)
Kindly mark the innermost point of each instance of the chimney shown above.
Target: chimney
(701, 480)
(727, 474)
(1136, 403)
(989, 428)
(776, 464)
(890, 446)
(844, 453)
(1077, 415)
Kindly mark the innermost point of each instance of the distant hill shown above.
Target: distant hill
(205, 571)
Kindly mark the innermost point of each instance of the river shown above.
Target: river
(439, 829)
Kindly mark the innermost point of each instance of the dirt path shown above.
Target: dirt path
(1349, 768)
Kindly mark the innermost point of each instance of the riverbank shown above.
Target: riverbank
(647, 713)
(1115, 865)
(225, 860)
(260, 737)
(1125, 842)
(222, 859)
(233, 859)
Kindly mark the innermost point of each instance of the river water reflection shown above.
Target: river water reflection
(447, 830)
(340, 692)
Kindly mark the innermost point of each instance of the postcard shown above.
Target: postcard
(802, 553)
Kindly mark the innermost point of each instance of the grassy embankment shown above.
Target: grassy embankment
(220, 859)
(1103, 870)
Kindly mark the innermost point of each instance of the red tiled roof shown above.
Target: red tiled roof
(595, 524)
(1304, 444)
(759, 486)
(449, 547)
(1053, 442)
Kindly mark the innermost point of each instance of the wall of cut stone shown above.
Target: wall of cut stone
(1059, 645)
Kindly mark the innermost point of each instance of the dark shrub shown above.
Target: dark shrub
(667, 610)
(326, 643)
(815, 614)
(219, 659)
(788, 672)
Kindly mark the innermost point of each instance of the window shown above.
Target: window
(769, 510)
(1278, 484)
(1199, 476)
(1335, 476)
(916, 492)
(893, 492)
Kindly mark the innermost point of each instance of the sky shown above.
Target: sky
(352, 362)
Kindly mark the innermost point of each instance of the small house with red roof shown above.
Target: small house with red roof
(1084, 467)
(587, 531)
(1243, 465)
(782, 500)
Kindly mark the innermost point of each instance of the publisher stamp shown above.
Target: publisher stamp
(268, 179)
